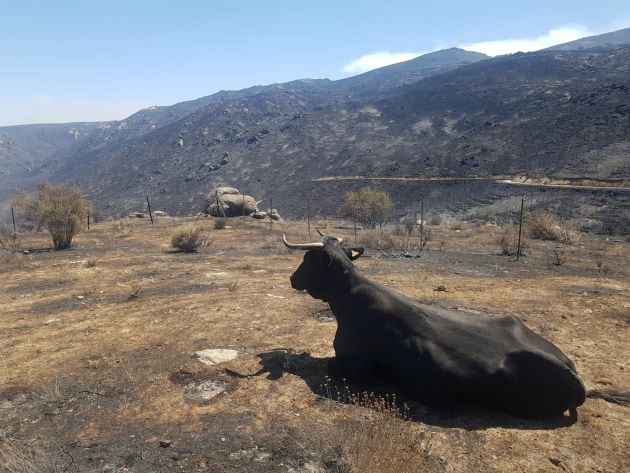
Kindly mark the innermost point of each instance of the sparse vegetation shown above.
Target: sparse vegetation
(381, 441)
(119, 363)
(90, 263)
(508, 240)
(220, 223)
(435, 220)
(59, 209)
(7, 239)
(558, 257)
(367, 206)
(188, 239)
(545, 226)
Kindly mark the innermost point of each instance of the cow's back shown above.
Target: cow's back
(445, 356)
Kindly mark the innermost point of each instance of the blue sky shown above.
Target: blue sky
(64, 61)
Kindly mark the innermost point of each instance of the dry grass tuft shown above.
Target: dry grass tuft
(188, 239)
(508, 240)
(545, 226)
(381, 440)
(220, 223)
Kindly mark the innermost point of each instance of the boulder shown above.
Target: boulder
(260, 215)
(274, 215)
(159, 213)
(231, 203)
(223, 191)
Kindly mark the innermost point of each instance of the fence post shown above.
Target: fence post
(520, 229)
(308, 216)
(88, 220)
(422, 223)
(14, 228)
(270, 213)
(13, 218)
(354, 221)
(150, 213)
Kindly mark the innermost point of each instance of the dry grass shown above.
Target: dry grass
(109, 366)
(508, 241)
(23, 457)
(188, 238)
(545, 226)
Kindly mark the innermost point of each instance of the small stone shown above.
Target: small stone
(80, 298)
(165, 443)
(214, 356)
(555, 461)
(440, 289)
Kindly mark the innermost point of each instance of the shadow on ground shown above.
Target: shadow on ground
(314, 372)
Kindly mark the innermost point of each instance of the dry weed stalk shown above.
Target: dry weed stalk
(382, 441)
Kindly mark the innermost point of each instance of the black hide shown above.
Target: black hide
(432, 354)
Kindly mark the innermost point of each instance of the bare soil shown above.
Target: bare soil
(95, 358)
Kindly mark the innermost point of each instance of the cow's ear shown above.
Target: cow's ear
(354, 252)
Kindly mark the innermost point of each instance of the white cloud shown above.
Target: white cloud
(559, 35)
(47, 109)
(376, 60)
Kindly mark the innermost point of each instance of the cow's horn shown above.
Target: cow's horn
(302, 246)
(328, 236)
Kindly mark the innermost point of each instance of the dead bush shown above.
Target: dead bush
(558, 257)
(188, 239)
(220, 223)
(435, 220)
(380, 439)
(7, 239)
(508, 240)
(545, 226)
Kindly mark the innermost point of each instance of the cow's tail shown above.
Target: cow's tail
(618, 396)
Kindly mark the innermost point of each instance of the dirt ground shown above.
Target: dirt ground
(96, 373)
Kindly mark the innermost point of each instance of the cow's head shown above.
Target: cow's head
(321, 260)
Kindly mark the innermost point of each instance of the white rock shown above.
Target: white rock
(215, 355)
(204, 391)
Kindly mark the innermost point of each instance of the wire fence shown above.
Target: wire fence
(407, 208)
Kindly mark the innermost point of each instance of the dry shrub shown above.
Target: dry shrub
(379, 437)
(557, 257)
(7, 239)
(456, 225)
(383, 444)
(435, 220)
(398, 237)
(188, 239)
(379, 238)
(545, 226)
(369, 207)
(220, 223)
(508, 240)
(58, 209)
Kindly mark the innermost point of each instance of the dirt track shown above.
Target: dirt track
(95, 363)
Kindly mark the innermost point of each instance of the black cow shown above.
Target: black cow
(435, 355)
